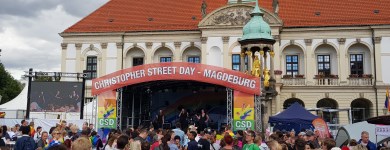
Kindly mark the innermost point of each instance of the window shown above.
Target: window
(357, 64)
(323, 64)
(138, 61)
(88, 100)
(165, 59)
(292, 65)
(193, 59)
(236, 59)
(91, 67)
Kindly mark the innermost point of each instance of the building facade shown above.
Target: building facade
(322, 59)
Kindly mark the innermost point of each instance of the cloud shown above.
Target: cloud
(29, 38)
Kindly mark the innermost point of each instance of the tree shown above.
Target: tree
(9, 87)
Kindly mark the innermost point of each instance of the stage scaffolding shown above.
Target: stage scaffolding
(229, 119)
(119, 109)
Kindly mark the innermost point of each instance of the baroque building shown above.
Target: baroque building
(326, 55)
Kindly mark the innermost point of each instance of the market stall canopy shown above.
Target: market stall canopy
(381, 120)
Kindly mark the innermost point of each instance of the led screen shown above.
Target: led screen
(55, 96)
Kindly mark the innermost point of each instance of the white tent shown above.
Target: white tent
(353, 131)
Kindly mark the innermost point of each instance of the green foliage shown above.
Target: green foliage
(9, 87)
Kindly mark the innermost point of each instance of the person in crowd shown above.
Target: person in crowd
(32, 129)
(58, 147)
(203, 119)
(309, 146)
(25, 142)
(157, 141)
(73, 135)
(160, 119)
(328, 144)
(42, 142)
(249, 138)
(81, 144)
(111, 143)
(96, 140)
(312, 138)
(170, 137)
(365, 141)
(122, 141)
(2, 143)
(11, 132)
(5, 133)
(134, 145)
(145, 146)
(142, 136)
(203, 143)
(192, 144)
(177, 142)
(259, 141)
(24, 122)
(91, 127)
(56, 138)
(213, 142)
(38, 134)
(85, 126)
(180, 133)
(17, 132)
(352, 144)
(273, 145)
(183, 116)
(228, 142)
(300, 144)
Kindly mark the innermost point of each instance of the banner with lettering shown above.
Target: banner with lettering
(382, 130)
(107, 110)
(321, 127)
(244, 111)
(177, 71)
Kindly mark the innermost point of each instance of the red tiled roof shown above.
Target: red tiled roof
(173, 15)
(298, 13)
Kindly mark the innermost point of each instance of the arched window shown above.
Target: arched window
(327, 114)
(360, 109)
(291, 101)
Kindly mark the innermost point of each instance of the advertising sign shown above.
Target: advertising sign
(244, 111)
(177, 71)
(107, 110)
(321, 127)
(382, 130)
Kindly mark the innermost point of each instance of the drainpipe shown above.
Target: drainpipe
(375, 86)
(123, 47)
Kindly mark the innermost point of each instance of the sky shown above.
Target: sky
(29, 31)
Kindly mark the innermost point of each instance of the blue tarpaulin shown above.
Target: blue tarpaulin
(294, 117)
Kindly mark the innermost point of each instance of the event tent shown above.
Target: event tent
(294, 117)
(353, 131)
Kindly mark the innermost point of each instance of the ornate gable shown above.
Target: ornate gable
(236, 15)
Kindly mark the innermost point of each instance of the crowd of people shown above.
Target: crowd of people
(69, 137)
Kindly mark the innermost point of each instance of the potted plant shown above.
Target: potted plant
(367, 75)
(319, 76)
(299, 76)
(287, 76)
(334, 76)
(353, 76)
(278, 72)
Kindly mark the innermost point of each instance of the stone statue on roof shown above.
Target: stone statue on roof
(203, 9)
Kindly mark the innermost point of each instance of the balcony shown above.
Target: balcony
(299, 80)
(331, 80)
(362, 80)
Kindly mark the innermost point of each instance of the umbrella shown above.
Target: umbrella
(382, 120)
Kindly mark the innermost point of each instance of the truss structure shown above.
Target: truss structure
(119, 109)
(229, 105)
(94, 110)
(258, 119)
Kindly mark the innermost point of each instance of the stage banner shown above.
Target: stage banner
(321, 127)
(177, 71)
(107, 110)
(382, 130)
(244, 111)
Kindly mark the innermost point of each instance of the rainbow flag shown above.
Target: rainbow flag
(387, 100)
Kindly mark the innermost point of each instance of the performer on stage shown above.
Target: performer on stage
(183, 119)
(203, 119)
(160, 119)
